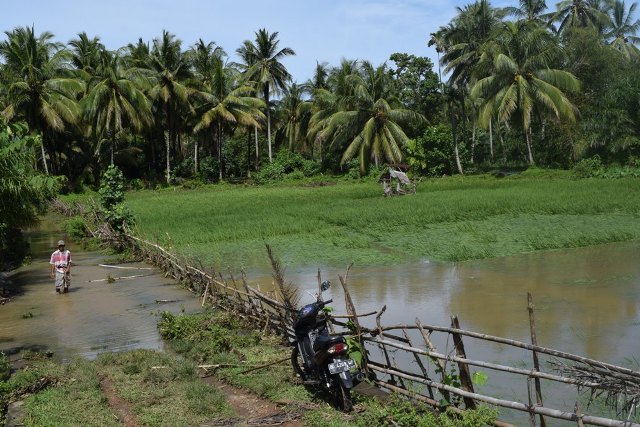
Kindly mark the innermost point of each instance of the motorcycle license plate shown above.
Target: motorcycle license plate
(341, 366)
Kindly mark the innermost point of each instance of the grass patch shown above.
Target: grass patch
(219, 338)
(162, 389)
(76, 400)
(451, 219)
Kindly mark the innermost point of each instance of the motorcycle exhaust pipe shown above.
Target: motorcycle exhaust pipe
(359, 376)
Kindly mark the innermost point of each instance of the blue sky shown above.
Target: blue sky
(318, 30)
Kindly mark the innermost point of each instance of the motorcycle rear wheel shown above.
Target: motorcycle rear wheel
(297, 363)
(342, 398)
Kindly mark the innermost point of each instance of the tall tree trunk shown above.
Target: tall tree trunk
(44, 157)
(491, 138)
(113, 144)
(167, 141)
(248, 154)
(473, 141)
(219, 152)
(527, 138)
(269, 133)
(455, 144)
(457, 154)
(195, 156)
(255, 135)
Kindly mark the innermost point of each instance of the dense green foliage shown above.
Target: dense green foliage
(525, 84)
(23, 191)
(448, 219)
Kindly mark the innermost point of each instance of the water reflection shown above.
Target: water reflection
(587, 300)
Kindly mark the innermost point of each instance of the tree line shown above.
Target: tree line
(523, 85)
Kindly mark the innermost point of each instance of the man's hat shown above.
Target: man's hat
(60, 242)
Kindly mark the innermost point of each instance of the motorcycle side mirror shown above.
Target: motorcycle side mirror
(325, 285)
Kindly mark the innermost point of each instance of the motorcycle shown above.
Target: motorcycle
(320, 359)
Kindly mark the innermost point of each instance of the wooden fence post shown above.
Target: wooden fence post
(536, 363)
(465, 373)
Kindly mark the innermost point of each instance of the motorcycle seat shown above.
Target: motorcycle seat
(325, 341)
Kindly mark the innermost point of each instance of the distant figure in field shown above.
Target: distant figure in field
(61, 267)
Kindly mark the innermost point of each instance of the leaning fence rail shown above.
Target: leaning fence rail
(275, 311)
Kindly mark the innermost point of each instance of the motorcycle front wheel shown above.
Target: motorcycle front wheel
(342, 397)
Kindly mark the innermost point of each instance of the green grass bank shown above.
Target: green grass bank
(155, 389)
(450, 219)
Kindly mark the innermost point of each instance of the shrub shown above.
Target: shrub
(136, 184)
(284, 165)
(185, 168)
(209, 169)
(76, 228)
(112, 198)
(587, 168)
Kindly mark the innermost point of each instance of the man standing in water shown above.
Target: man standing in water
(61, 267)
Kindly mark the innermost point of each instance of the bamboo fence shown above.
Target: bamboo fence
(431, 381)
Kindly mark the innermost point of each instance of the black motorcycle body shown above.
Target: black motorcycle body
(321, 359)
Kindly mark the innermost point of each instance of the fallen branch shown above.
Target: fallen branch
(108, 279)
(124, 268)
(265, 365)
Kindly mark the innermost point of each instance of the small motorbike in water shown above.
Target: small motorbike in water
(320, 359)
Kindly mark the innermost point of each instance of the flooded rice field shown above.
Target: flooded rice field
(587, 302)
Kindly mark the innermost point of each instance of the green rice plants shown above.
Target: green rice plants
(450, 219)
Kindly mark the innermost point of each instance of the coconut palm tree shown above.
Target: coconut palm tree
(169, 91)
(248, 58)
(41, 90)
(462, 38)
(339, 95)
(117, 99)
(137, 55)
(581, 14)
(86, 55)
(623, 29)
(372, 130)
(531, 10)
(296, 113)
(519, 80)
(227, 105)
(264, 67)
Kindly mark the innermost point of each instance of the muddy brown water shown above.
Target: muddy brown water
(95, 316)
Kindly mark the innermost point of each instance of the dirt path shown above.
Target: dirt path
(255, 411)
(250, 409)
(120, 406)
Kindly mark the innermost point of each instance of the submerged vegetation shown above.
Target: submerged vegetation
(448, 219)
